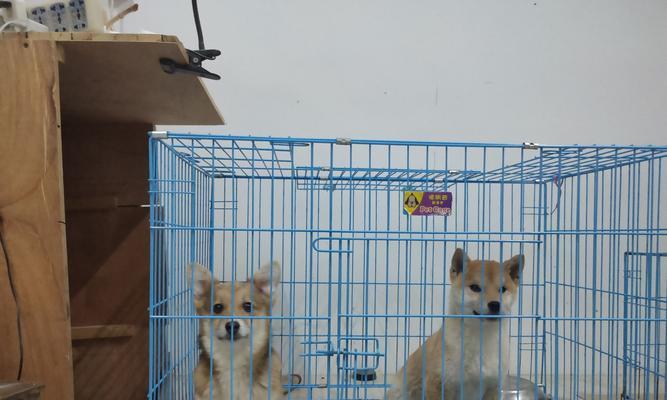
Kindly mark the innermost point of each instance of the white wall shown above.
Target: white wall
(566, 71)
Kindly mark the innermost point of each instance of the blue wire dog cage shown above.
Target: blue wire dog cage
(364, 281)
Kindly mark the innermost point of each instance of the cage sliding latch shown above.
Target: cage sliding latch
(194, 66)
(531, 146)
(344, 141)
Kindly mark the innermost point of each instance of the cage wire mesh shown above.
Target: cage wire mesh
(364, 284)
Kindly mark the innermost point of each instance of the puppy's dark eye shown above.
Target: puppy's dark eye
(475, 288)
(247, 306)
(503, 289)
(218, 308)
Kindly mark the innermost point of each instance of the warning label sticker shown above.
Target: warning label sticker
(427, 203)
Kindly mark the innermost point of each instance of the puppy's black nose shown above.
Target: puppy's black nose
(494, 307)
(232, 328)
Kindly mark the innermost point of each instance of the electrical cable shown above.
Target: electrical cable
(200, 35)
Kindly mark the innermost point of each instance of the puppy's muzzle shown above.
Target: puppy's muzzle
(493, 313)
(232, 328)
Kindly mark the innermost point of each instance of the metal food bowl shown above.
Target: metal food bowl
(516, 388)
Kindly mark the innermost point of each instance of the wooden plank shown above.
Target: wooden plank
(90, 36)
(19, 391)
(117, 78)
(108, 251)
(89, 203)
(33, 215)
(122, 82)
(93, 332)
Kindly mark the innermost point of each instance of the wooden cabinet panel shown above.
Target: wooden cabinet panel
(106, 182)
(32, 219)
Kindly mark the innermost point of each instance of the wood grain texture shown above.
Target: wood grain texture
(117, 78)
(123, 82)
(33, 215)
(20, 391)
(94, 332)
(88, 36)
(108, 250)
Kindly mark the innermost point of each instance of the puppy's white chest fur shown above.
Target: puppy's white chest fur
(463, 359)
(475, 356)
(227, 379)
(221, 388)
(241, 379)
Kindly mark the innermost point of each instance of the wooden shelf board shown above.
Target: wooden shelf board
(117, 78)
(19, 390)
(102, 331)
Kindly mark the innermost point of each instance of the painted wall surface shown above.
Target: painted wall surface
(567, 71)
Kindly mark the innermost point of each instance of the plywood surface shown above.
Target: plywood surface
(19, 391)
(32, 220)
(117, 78)
(96, 332)
(90, 36)
(108, 243)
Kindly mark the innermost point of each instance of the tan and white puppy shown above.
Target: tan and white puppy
(473, 361)
(248, 340)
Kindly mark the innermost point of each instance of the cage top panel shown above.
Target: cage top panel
(328, 164)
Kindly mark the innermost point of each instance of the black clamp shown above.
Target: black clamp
(195, 59)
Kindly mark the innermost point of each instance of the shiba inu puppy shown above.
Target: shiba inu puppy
(466, 358)
(255, 368)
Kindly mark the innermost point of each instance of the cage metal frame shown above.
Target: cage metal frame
(584, 244)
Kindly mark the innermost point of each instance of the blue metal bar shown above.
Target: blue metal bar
(311, 141)
(618, 232)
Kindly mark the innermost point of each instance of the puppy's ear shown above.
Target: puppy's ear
(200, 280)
(267, 278)
(514, 266)
(459, 260)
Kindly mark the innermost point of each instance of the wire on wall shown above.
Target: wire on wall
(200, 34)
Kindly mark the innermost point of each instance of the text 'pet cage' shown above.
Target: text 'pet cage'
(363, 283)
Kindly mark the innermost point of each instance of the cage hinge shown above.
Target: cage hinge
(158, 134)
(531, 146)
(344, 141)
